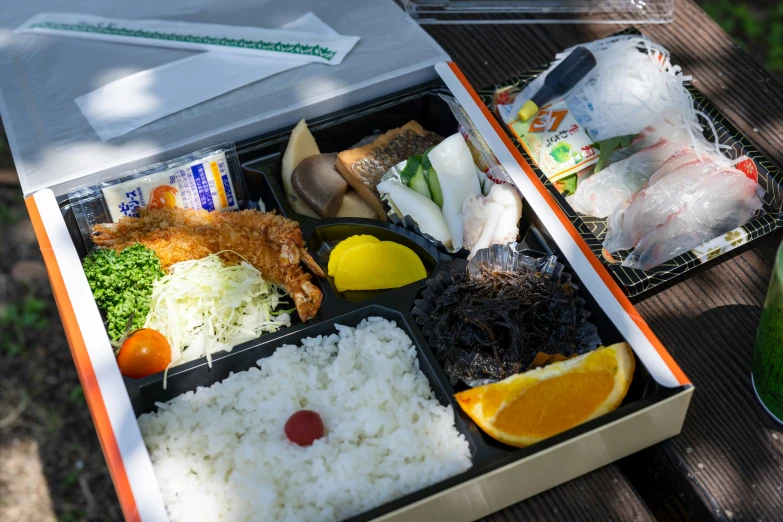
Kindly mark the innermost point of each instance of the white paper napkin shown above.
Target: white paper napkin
(141, 98)
(249, 41)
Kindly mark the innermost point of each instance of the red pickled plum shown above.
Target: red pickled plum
(304, 427)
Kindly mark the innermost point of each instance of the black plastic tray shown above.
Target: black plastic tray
(636, 282)
(261, 166)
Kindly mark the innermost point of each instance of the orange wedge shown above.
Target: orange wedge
(529, 407)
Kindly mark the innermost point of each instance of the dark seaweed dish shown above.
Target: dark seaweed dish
(491, 326)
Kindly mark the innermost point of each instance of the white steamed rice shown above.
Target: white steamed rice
(220, 453)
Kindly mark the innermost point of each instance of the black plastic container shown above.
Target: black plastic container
(261, 159)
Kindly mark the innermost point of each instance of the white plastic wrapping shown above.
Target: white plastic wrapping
(135, 100)
(192, 36)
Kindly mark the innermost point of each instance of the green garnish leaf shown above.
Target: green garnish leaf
(608, 146)
(122, 285)
(567, 185)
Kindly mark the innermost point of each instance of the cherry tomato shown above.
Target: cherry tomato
(304, 427)
(143, 353)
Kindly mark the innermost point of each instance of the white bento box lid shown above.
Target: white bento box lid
(55, 147)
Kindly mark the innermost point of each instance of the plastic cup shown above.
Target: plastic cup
(767, 366)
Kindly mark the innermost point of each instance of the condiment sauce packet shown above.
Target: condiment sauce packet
(201, 184)
(554, 140)
(207, 179)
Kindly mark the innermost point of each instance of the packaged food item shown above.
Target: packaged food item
(207, 179)
(555, 141)
(204, 183)
(663, 187)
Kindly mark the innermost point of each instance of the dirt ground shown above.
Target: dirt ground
(51, 465)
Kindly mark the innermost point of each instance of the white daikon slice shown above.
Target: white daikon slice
(408, 202)
(453, 162)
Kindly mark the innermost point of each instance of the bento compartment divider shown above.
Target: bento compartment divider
(323, 235)
(483, 453)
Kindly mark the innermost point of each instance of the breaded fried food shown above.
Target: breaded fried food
(269, 242)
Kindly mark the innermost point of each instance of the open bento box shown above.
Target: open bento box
(653, 409)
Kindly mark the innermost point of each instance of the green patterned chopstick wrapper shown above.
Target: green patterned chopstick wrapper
(213, 37)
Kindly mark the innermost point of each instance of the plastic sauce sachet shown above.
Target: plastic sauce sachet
(554, 140)
(201, 184)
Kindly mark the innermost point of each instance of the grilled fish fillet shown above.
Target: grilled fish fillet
(269, 242)
(363, 167)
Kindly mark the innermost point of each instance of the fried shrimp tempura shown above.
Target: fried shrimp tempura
(269, 242)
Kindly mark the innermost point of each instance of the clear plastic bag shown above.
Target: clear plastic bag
(482, 155)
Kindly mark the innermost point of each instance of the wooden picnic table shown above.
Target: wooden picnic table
(728, 461)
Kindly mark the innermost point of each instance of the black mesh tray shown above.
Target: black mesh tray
(593, 230)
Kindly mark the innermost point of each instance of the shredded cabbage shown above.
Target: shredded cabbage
(203, 307)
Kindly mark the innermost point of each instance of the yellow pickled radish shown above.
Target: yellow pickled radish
(343, 246)
(376, 266)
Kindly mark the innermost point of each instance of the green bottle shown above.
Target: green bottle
(767, 368)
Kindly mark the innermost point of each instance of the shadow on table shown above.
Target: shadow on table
(723, 370)
(728, 460)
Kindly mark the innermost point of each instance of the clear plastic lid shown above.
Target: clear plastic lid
(540, 11)
(42, 76)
